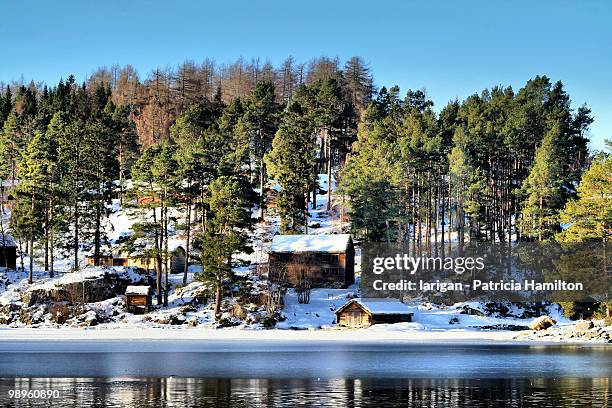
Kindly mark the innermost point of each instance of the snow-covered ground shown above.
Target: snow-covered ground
(372, 334)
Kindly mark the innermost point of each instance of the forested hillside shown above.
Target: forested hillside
(207, 139)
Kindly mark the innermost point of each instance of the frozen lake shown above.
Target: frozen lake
(275, 373)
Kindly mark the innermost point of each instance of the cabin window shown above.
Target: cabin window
(329, 259)
(330, 271)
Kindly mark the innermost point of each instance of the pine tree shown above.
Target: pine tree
(6, 105)
(164, 171)
(146, 241)
(12, 141)
(589, 217)
(292, 163)
(543, 189)
(370, 177)
(328, 114)
(225, 236)
(100, 160)
(28, 217)
(77, 158)
(262, 116)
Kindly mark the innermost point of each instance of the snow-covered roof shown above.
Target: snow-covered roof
(7, 241)
(379, 306)
(310, 243)
(137, 290)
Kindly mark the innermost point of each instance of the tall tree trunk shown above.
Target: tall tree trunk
(121, 172)
(449, 217)
(97, 235)
(329, 170)
(261, 190)
(540, 220)
(76, 234)
(218, 297)
(187, 243)
(158, 259)
(46, 232)
(306, 213)
(2, 246)
(166, 254)
(31, 246)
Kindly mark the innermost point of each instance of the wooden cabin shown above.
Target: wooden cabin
(176, 261)
(366, 312)
(321, 260)
(138, 298)
(105, 260)
(8, 252)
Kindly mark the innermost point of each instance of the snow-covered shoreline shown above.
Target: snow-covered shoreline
(248, 336)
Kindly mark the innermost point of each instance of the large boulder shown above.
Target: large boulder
(88, 286)
(542, 323)
(584, 326)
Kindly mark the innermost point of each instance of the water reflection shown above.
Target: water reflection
(190, 392)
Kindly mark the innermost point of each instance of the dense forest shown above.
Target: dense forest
(501, 165)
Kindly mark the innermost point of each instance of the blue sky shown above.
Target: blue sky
(450, 48)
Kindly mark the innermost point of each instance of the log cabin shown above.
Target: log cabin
(321, 260)
(366, 312)
(8, 252)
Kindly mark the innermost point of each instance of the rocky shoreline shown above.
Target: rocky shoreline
(581, 331)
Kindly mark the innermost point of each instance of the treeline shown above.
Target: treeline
(156, 100)
(169, 142)
(62, 152)
(498, 166)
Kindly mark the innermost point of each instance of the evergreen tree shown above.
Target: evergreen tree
(147, 240)
(226, 235)
(163, 171)
(543, 189)
(77, 157)
(13, 139)
(6, 105)
(328, 113)
(100, 161)
(262, 116)
(292, 163)
(370, 177)
(28, 216)
(589, 217)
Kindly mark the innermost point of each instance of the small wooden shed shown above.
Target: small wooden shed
(138, 298)
(366, 312)
(8, 252)
(326, 260)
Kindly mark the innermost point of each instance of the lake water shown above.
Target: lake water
(270, 374)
